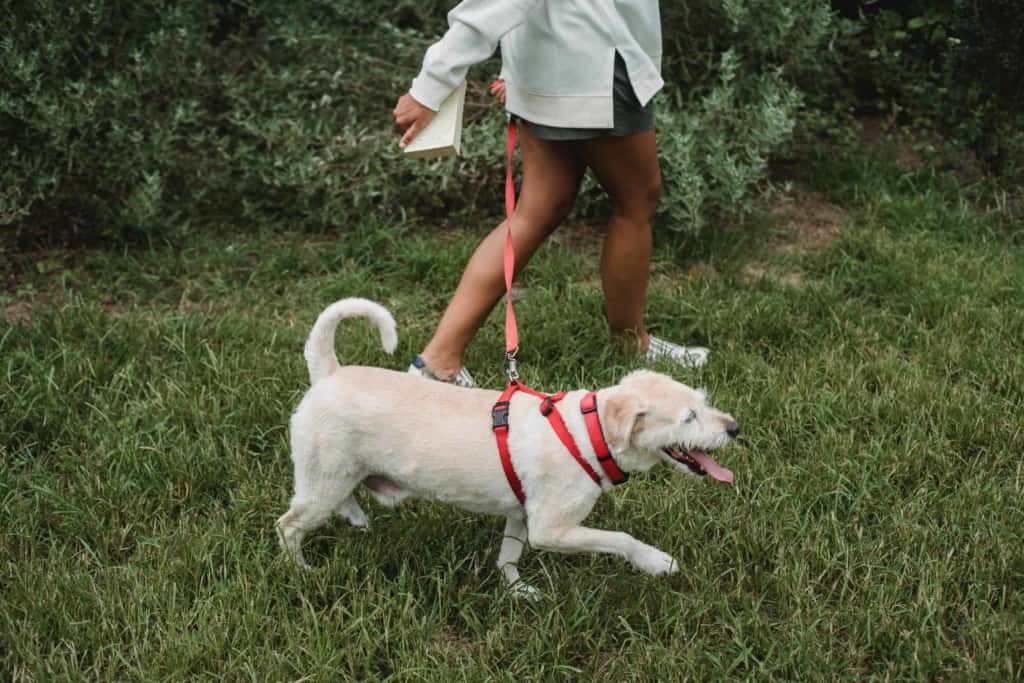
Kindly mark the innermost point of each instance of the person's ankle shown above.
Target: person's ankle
(442, 367)
(632, 339)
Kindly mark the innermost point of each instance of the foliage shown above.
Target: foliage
(952, 64)
(986, 73)
(166, 114)
(716, 150)
(155, 119)
(732, 101)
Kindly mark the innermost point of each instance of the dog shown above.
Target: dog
(400, 436)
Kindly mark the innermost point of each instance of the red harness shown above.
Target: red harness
(500, 411)
(588, 407)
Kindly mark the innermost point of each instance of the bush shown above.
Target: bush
(986, 78)
(734, 71)
(130, 118)
(91, 129)
(155, 118)
(947, 63)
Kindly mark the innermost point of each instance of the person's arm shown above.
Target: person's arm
(475, 28)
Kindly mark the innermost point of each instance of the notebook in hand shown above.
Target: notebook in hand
(443, 135)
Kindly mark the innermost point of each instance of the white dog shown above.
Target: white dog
(401, 436)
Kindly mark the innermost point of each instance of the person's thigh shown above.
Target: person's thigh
(551, 175)
(627, 168)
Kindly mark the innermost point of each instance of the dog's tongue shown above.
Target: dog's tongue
(714, 470)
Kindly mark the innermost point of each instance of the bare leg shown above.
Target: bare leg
(551, 178)
(581, 539)
(627, 168)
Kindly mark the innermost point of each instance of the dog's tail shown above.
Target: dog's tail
(319, 352)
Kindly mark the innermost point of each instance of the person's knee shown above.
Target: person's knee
(653, 192)
(642, 203)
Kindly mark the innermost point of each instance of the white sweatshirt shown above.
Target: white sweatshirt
(558, 56)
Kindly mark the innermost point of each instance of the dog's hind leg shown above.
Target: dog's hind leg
(512, 545)
(303, 516)
(309, 512)
(323, 487)
(350, 510)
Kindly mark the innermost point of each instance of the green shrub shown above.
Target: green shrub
(156, 118)
(715, 150)
(734, 71)
(954, 64)
(91, 129)
(986, 75)
(125, 118)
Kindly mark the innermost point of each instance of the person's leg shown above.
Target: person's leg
(627, 168)
(551, 178)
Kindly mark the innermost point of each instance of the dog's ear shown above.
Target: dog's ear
(622, 415)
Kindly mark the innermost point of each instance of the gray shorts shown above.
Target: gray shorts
(630, 117)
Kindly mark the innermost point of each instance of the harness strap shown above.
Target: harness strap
(499, 423)
(548, 410)
(588, 406)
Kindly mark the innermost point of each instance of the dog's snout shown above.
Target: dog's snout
(732, 429)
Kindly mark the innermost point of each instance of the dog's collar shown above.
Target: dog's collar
(588, 407)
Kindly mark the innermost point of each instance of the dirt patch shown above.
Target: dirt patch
(752, 272)
(807, 222)
(17, 312)
(913, 149)
(879, 133)
(579, 236)
(701, 270)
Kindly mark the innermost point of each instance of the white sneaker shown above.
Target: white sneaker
(686, 356)
(462, 379)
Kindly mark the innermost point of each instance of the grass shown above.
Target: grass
(875, 531)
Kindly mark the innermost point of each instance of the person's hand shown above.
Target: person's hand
(498, 89)
(410, 118)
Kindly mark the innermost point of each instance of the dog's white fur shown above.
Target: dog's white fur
(403, 436)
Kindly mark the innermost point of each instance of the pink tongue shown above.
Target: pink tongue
(714, 470)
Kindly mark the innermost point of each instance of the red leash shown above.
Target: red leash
(500, 411)
(511, 330)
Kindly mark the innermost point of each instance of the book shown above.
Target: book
(443, 135)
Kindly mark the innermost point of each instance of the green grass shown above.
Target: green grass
(875, 531)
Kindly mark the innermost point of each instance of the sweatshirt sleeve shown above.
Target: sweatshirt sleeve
(474, 29)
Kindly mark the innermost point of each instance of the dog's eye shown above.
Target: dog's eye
(691, 415)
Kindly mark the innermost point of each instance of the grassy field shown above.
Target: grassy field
(876, 530)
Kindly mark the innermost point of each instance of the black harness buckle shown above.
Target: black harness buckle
(499, 415)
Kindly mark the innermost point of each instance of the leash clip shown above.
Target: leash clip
(513, 366)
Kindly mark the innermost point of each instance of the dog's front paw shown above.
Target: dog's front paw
(524, 590)
(656, 563)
